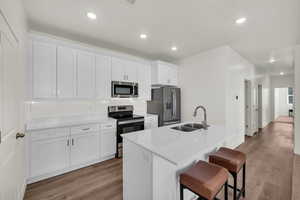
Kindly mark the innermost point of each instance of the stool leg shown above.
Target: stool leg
(181, 192)
(226, 191)
(234, 186)
(244, 180)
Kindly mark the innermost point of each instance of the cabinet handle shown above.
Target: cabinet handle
(68, 142)
(85, 129)
(72, 142)
(20, 135)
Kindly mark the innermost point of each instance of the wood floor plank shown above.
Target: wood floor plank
(269, 172)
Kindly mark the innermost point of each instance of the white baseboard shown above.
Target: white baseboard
(23, 190)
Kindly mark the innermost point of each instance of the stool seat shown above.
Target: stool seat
(205, 179)
(232, 160)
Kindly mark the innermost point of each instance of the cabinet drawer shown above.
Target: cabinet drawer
(49, 133)
(108, 126)
(84, 129)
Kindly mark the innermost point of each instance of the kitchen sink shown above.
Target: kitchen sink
(188, 127)
(183, 128)
(196, 125)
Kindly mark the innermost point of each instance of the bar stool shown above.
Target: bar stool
(233, 161)
(205, 180)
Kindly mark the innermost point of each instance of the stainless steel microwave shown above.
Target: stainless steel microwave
(124, 89)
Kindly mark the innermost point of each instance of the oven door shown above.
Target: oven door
(127, 127)
(122, 89)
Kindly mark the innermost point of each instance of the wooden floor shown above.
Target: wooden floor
(269, 172)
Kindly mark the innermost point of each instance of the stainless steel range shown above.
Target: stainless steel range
(126, 122)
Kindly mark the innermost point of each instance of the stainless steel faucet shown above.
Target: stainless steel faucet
(204, 122)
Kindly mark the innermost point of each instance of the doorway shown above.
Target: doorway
(283, 103)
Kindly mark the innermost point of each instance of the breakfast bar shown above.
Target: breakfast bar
(153, 159)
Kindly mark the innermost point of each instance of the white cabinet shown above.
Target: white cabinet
(49, 155)
(108, 140)
(55, 151)
(151, 121)
(103, 77)
(124, 70)
(44, 70)
(85, 74)
(66, 72)
(144, 81)
(163, 73)
(84, 148)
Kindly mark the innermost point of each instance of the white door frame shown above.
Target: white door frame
(259, 106)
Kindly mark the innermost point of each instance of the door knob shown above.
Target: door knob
(20, 135)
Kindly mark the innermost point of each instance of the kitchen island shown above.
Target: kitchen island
(153, 159)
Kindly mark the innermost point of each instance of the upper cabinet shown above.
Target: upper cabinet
(103, 77)
(163, 73)
(85, 74)
(44, 70)
(66, 72)
(144, 81)
(124, 70)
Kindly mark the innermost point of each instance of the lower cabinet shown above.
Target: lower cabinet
(49, 155)
(55, 151)
(108, 142)
(151, 121)
(84, 148)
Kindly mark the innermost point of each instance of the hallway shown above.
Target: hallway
(269, 172)
(270, 162)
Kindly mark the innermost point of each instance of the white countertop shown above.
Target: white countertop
(55, 122)
(176, 146)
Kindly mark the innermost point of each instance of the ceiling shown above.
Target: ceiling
(271, 30)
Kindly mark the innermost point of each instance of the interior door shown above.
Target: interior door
(12, 157)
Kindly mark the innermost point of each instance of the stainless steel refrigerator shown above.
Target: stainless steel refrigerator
(166, 104)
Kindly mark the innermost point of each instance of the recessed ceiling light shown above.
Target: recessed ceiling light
(272, 60)
(143, 36)
(241, 20)
(91, 15)
(281, 73)
(174, 48)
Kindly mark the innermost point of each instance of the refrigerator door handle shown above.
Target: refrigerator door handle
(174, 104)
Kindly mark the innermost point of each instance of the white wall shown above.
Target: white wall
(281, 102)
(297, 101)
(215, 79)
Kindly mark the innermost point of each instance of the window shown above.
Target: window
(290, 97)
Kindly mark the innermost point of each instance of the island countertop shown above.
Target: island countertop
(176, 146)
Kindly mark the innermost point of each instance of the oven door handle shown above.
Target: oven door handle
(130, 121)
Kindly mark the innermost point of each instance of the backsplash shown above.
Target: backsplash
(62, 108)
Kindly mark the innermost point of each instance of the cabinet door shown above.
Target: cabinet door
(66, 72)
(84, 148)
(49, 155)
(85, 75)
(131, 71)
(163, 74)
(173, 75)
(144, 81)
(103, 77)
(44, 70)
(108, 142)
(118, 69)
